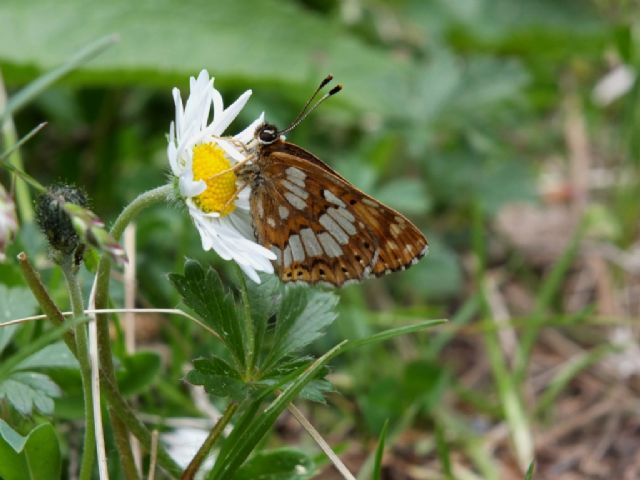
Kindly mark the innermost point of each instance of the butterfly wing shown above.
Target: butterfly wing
(322, 228)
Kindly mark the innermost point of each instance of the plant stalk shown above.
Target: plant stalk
(82, 354)
(209, 442)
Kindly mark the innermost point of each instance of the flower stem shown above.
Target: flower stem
(122, 420)
(208, 443)
(114, 397)
(82, 350)
(249, 333)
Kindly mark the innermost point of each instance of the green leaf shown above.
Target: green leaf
(34, 457)
(264, 298)
(206, 296)
(29, 390)
(243, 440)
(138, 371)
(154, 49)
(56, 355)
(377, 465)
(530, 471)
(218, 378)
(302, 317)
(280, 464)
(14, 303)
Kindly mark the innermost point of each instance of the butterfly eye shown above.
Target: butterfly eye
(267, 134)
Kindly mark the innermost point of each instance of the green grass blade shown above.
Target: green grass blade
(391, 333)
(40, 84)
(377, 465)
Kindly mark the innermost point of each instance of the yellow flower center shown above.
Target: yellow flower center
(208, 161)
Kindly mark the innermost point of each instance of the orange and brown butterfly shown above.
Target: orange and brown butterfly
(321, 227)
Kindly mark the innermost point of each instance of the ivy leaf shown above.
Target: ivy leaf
(14, 303)
(279, 464)
(29, 390)
(302, 317)
(217, 377)
(207, 297)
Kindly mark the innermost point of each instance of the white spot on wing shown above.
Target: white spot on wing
(338, 215)
(334, 229)
(369, 202)
(283, 212)
(295, 189)
(287, 257)
(331, 198)
(310, 242)
(296, 248)
(294, 172)
(329, 245)
(271, 222)
(297, 202)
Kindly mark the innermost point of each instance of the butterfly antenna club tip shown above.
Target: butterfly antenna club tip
(335, 90)
(326, 80)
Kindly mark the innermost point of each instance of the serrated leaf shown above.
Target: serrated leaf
(56, 355)
(263, 301)
(34, 457)
(280, 464)
(316, 390)
(302, 317)
(217, 377)
(14, 303)
(29, 390)
(206, 296)
(253, 426)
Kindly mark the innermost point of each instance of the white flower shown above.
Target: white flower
(201, 161)
(8, 221)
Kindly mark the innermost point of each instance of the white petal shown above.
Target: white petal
(246, 135)
(190, 188)
(231, 150)
(230, 114)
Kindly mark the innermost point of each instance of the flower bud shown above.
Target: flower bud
(53, 219)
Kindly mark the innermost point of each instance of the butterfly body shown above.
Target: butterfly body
(322, 228)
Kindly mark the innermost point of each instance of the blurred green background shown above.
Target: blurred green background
(506, 130)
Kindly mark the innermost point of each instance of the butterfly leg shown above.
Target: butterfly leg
(235, 167)
(235, 195)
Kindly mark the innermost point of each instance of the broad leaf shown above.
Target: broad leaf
(14, 303)
(56, 355)
(206, 296)
(34, 457)
(280, 464)
(178, 41)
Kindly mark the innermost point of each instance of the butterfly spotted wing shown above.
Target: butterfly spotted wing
(322, 228)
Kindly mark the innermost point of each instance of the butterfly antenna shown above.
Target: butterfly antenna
(306, 110)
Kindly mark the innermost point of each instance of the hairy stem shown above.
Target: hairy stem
(121, 422)
(82, 354)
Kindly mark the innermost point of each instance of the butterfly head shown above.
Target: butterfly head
(266, 134)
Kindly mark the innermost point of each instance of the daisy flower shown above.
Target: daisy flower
(201, 160)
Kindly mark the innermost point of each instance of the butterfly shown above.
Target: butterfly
(321, 228)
